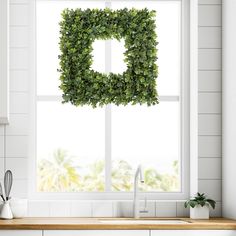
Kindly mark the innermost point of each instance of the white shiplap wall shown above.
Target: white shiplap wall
(209, 44)
(15, 137)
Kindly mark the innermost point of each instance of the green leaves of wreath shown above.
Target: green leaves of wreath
(83, 86)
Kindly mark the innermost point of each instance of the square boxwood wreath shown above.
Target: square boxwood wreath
(83, 86)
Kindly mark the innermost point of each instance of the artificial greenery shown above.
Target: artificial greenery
(200, 199)
(82, 85)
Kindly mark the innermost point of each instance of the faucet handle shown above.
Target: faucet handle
(145, 210)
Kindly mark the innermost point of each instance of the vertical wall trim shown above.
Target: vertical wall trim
(4, 61)
(229, 111)
(193, 96)
(32, 104)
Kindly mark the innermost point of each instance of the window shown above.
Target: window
(96, 151)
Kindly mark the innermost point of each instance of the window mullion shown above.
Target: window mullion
(108, 118)
(108, 148)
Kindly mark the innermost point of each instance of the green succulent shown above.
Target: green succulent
(200, 199)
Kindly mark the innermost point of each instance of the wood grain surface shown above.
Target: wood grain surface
(68, 223)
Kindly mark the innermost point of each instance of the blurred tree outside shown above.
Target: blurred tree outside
(60, 174)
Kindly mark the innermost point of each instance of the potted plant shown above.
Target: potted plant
(199, 206)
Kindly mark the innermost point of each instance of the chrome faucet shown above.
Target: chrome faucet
(138, 174)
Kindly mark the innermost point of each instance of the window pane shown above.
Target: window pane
(117, 56)
(71, 140)
(168, 22)
(98, 56)
(47, 23)
(70, 148)
(149, 136)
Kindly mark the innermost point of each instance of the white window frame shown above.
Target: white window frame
(188, 99)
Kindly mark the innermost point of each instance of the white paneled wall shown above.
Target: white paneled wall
(15, 136)
(14, 139)
(209, 149)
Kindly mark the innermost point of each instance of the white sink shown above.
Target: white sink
(141, 222)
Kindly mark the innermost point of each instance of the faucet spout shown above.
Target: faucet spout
(138, 175)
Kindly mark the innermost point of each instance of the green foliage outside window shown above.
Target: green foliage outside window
(82, 85)
(59, 174)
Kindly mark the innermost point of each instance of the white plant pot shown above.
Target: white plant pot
(19, 207)
(199, 212)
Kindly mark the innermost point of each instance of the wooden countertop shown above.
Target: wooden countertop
(95, 224)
